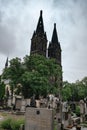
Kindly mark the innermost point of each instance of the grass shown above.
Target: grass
(11, 124)
(3, 114)
(11, 120)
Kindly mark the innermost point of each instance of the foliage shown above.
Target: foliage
(75, 91)
(37, 75)
(15, 124)
(14, 71)
(35, 84)
(2, 89)
(39, 78)
(11, 124)
(77, 110)
(66, 91)
(6, 124)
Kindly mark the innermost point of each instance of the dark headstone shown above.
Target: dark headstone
(78, 127)
(73, 107)
(33, 102)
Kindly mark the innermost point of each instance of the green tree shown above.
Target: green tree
(40, 76)
(84, 85)
(66, 91)
(75, 91)
(2, 89)
(37, 75)
(13, 72)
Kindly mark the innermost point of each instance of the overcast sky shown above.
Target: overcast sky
(18, 20)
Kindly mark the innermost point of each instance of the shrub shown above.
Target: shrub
(6, 124)
(12, 124)
(15, 124)
(77, 110)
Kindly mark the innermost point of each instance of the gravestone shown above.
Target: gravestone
(9, 101)
(65, 114)
(85, 101)
(38, 103)
(27, 101)
(23, 104)
(82, 111)
(38, 119)
(18, 103)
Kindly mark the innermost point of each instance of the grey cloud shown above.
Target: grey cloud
(0, 16)
(7, 40)
(9, 27)
(73, 19)
(18, 20)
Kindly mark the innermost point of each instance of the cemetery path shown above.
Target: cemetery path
(5, 115)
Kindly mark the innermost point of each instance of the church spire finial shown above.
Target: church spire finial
(41, 12)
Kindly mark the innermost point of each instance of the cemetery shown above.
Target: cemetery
(34, 90)
(48, 113)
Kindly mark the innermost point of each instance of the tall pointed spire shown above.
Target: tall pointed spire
(54, 49)
(39, 39)
(54, 36)
(40, 26)
(6, 64)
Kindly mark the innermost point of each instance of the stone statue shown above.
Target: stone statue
(33, 102)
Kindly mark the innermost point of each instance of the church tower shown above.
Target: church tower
(54, 49)
(39, 39)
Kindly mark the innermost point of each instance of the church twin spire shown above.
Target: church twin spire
(54, 49)
(39, 41)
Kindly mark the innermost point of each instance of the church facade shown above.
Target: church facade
(39, 42)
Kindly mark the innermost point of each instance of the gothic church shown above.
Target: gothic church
(39, 42)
